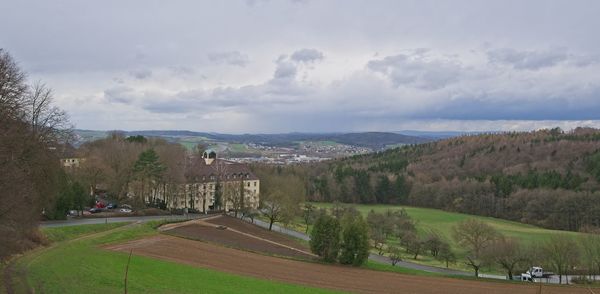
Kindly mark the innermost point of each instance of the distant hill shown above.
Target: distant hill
(442, 134)
(373, 140)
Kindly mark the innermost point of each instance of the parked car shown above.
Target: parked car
(535, 272)
(112, 206)
(125, 210)
(95, 210)
(73, 213)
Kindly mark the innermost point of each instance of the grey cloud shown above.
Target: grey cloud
(120, 94)
(307, 55)
(141, 74)
(182, 70)
(231, 58)
(285, 70)
(512, 108)
(583, 60)
(416, 71)
(531, 60)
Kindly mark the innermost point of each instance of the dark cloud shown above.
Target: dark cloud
(307, 55)
(120, 94)
(500, 108)
(231, 58)
(285, 70)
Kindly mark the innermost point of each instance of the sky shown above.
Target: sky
(259, 66)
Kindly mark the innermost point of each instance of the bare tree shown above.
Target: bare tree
(446, 254)
(475, 236)
(308, 215)
(48, 122)
(280, 202)
(590, 243)
(395, 255)
(506, 252)
(562, 254)
(13, 87)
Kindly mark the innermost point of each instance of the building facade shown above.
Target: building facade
(210, 179)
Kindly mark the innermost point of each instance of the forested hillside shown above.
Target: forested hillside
(548, 178)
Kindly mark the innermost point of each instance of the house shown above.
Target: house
(68, 156)
(206, 177)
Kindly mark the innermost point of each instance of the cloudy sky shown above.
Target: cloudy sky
(281, 66)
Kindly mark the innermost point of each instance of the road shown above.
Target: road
(90, 221)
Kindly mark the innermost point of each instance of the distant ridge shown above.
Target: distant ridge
(374, 140)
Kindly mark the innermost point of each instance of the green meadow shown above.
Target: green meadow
(75, 263)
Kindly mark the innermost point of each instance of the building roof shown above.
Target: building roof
(225, 170)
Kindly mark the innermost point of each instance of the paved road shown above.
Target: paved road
(88, 221)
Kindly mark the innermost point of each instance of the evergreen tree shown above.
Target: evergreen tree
(355, 241)
(148, 170)
(80, 197)
(383, 189)
(325, 238)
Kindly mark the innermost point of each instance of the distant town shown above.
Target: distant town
(278, 149)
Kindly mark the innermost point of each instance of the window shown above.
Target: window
(248, 184)
(255, 184)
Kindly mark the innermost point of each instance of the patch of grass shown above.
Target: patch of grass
(443, 221)
(236, 147)
(79, 266)
(57, 234)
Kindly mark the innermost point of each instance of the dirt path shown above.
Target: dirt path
(313, 274)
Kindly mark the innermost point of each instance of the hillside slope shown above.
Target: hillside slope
(548, 178)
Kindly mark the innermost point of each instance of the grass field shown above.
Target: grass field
(80, 266)
(443, 222)
(236, 147)
(57, 234)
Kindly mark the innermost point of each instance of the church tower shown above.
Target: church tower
(209, 156)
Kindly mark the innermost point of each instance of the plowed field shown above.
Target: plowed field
(337, 277)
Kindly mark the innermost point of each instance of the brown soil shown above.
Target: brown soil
(241, 235)
(314, 274)
(257, 231)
